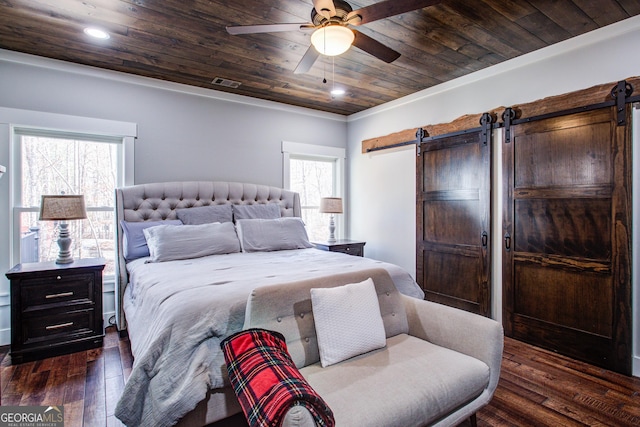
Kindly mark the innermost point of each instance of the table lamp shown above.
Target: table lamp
(63, 208)
(331, 205)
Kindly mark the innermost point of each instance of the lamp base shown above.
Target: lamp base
(67, 260)
(332, 230)
(64, 243)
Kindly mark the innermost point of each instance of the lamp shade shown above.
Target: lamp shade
(332, 40)
(62, 207)
(331, 205)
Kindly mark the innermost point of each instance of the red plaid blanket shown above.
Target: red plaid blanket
(266, 380)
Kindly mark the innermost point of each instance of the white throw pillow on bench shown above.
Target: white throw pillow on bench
(347, 320)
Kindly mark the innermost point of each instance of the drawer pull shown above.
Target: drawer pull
(60, 295)
(59, 277)
(62, 325)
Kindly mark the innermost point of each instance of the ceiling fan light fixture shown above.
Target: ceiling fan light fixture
(332, 40)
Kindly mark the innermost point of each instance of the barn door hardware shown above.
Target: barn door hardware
(507, 242)
(620, 93)
(485, 239)
(486, 121)
(507, 117)
(420, 135)
(386, 147)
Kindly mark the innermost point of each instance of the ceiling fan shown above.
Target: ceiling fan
(331, 36)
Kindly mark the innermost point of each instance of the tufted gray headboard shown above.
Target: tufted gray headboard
(159, 201)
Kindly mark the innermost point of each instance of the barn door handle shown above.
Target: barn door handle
(507, 241)
(485, 238)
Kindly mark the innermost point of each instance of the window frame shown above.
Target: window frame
(336, 155)
(17, 200)
(14, 123)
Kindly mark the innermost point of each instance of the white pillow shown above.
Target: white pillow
(171, 242)
(348, 321)
(257, 235)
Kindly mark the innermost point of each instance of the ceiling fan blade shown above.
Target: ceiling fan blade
(385, 9)
(307, 61)
(267, 28)
(325, 8)
(374, 47)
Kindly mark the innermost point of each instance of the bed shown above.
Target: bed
(179, 295)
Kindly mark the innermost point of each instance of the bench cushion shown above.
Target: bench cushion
(366, 390)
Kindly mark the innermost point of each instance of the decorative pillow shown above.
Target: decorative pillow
(258, 235)
(205, 214)
(168, 242)
(348, 321)
(258, 211)
(134, 243)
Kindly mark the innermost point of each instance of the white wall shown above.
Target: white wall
(381, 192)
(184, 133)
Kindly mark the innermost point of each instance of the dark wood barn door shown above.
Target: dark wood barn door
(453, 221)
(567, 210)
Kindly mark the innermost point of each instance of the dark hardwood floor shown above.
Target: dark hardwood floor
(537, 388)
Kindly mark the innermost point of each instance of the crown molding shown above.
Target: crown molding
(118, 76)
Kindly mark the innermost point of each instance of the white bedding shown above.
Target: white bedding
(178, 312)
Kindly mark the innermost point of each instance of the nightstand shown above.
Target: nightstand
(55, 308)
(351, 247)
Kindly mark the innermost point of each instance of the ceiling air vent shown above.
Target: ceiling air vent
(225, 82)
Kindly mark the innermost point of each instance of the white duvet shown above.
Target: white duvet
(178, 312)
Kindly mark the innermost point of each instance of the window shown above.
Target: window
(55, 163)
(54, 153)
(315, 172)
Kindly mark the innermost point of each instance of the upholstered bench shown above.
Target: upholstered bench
(438, 365)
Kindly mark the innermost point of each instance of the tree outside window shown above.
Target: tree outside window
(61, 165)
(313, 179)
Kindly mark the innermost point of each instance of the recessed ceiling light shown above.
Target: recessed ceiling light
(96, 33)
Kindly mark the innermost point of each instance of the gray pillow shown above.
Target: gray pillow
(258, 211)
(169, 242)
(257, 235)
(205, 214)
(133, 242)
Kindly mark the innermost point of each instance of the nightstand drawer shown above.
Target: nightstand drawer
(353, 250)
(45, 292)
(69, 325)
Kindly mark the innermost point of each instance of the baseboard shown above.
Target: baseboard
(5, 336)
(5, 318)
(635, 368)
(105, 319)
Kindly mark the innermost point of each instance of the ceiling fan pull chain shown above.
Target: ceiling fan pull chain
(333, 76)
(324, 72)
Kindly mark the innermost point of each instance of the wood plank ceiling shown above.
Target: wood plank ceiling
(185, 41)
